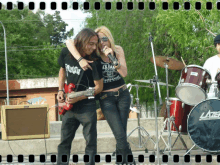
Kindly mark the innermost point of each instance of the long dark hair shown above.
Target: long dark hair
(82, 39)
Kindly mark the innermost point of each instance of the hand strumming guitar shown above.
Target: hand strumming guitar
(68, 101)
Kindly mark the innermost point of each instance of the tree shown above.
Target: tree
(56, 28)
(191, 35)
(34, 42)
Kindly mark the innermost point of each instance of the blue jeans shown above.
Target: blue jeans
(81, 114)
(116, 110)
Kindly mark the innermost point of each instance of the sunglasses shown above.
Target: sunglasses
(104, 39)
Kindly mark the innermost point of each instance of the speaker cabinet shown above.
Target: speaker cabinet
(25, 122)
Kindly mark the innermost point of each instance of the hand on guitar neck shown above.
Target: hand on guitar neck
(70, 97)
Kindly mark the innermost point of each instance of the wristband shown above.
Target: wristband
(61, 90)
(79, 59)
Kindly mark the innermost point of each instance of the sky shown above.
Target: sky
(74, 18)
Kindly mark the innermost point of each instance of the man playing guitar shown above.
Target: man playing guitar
(82, 110)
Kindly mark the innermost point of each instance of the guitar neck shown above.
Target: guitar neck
(76, 94)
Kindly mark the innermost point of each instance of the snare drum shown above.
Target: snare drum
(192, 85)
(180, 112)
(204, 125)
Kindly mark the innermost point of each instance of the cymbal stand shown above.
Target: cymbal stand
(141, 130)
(169, 119)
(155, 82)
(168, 110)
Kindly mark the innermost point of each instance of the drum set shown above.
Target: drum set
(195, 110)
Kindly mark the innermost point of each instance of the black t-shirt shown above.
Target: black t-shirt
(73, 72)
(111, 77)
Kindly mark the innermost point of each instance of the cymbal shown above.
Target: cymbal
(148, 81)
(172, 63)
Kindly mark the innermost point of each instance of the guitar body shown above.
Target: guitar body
(63, 107)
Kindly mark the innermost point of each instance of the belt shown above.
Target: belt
(115, 93)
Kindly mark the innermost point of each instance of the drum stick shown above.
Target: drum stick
(183, 61)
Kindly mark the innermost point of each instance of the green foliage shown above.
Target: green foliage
(56, 28)
(177, 33)
(33, 43)
(186, 29)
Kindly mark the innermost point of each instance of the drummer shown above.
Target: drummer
(212, 64)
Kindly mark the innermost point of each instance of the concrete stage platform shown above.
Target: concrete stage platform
(106, 145)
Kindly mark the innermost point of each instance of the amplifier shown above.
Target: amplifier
(25, 121)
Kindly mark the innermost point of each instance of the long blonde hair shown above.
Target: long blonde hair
(107, 33)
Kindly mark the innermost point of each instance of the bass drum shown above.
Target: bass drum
(204, 125)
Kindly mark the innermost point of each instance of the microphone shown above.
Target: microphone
(113, 59)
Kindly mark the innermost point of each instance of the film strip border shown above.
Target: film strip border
(119, 5)
(108, 159)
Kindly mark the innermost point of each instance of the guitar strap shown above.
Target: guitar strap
(79, 80)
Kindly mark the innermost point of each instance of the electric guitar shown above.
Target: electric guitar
(63, 107)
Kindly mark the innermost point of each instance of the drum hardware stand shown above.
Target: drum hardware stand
(168, 108)
(216, 90)
(139, 128)
(189, 150)
(155, 82)
(172, 119)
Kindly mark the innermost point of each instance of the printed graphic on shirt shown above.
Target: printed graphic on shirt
(73, 69)
(109, 73)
